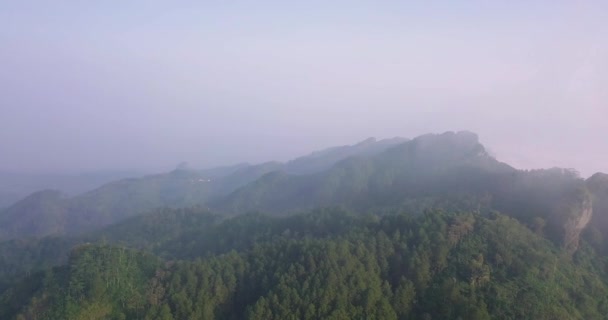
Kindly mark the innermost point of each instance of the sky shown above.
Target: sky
(145, 85)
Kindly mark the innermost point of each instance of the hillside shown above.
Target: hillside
(16, 186)
(47, 213)
(429, 228)
(327, 264)
(597, 231)
(321, 160)
(411, 169)
(36, 216)
(450, 171)
(150, 231)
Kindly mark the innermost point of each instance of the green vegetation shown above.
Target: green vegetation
(327, 264)
(433, 228)
(49, 213)
(149, 232)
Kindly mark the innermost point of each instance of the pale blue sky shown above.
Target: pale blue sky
(147, 84)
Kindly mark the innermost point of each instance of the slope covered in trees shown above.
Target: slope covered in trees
(432, 228)
(15, 186)
(327, 264)
(430, 166)
(451, 171)
(49, 213)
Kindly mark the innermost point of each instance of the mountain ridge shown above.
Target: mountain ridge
(181, 187)
(451, 170)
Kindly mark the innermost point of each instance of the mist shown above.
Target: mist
(145, 85)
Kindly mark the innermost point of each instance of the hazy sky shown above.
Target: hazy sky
(98, 85)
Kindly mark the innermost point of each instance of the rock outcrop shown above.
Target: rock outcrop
(576, 217)
(597, 230)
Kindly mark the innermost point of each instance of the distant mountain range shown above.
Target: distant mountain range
(16, 186)
(451, 171)
(410, 169)
(50, 212)
(428, 228)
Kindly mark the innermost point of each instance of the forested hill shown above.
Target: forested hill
(319, 161)
(326, 264)
(48, 212)
(430, 166)
(450, 171)
(431, 228)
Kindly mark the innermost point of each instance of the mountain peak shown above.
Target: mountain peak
(463, 138)
(448, 144)
(367, 141)
(183, 166)
(600, 177)
(598, 181)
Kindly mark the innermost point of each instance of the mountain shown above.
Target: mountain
(45, 213)
(16, 186)
(325, 264)
(451, 171)
(322, 160)
(428, 228)
(423, 167)
(25, 216)
(151, 231)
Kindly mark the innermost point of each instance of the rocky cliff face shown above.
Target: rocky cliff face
(576, 218)
(597, 230)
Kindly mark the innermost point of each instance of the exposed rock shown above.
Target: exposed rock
(598, 227)
(576, 216)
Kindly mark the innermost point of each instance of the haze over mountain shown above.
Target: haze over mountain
(433, 227)
(157, 163)
(50, 212)
(450, 171)
(16, 186)
(144, 85)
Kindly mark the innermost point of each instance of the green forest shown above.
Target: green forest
(431, 228)
(325, 264)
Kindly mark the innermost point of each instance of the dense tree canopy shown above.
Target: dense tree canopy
(326, 264)
(433, 228)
